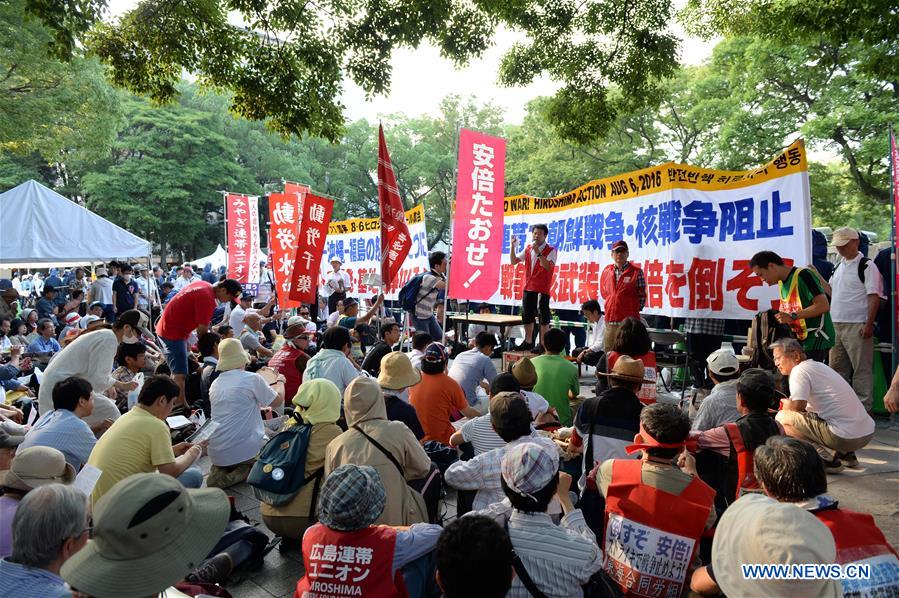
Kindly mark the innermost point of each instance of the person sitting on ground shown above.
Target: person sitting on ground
(759, 530)
(91, 356)
(724, 460)
(389, 447)
(632, 339)
(605, 425)
(351, 320)
(395, 562)
(45, 341)
(167, 528)
(318, 405)
(511, 420)
(64, 428)
(791, 471)
(225, 332)
(557, 378)
(720, 406)
(94, 309)
(479, 430)
(70, 327)
(526, 374)
(291, 358)
(8, 445)
(250, 337)
(396, 378)
(822, 408)
(239, 311)
(474, 558)
(167, 292)
(46, 305)
(390, 336)
(132, 359)
(51, 524)
(438, 399)
(420, 342)
(208, 345)
(653, 497)
(235, 399)
(474, 368)
(333, 360)
(591, 354)
(32, 468)
(335, 315)
(139, 442)
(557, 559)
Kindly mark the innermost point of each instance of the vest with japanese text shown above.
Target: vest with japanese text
(341, 564)
(621, 297)
(284, 362)
(537, 278)
(860, 542)
(651, 536)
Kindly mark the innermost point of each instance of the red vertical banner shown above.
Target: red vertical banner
(478, 217)
(395, 238)
(240, 254)
(285, 210)
(316, 217)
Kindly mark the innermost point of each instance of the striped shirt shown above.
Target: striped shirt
(558, 558)
(29, 582)
(480, 433)
(62, 429)
(484, 472)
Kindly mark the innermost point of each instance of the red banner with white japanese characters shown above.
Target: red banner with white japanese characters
(316, 217)
(691, 230)
(242, 213)
(285, 210)
(478, 218)
(395, 238)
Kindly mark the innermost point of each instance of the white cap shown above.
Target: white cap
(841, 236)
(723, 362)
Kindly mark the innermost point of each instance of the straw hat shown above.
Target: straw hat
(627, 369)
(397, 372)
(38, 466)
(231, 355)
(525, 372)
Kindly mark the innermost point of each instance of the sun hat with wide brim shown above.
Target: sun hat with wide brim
(149, 532)
(232, 355)
(397, 372)
(628, 369)
(37, 466)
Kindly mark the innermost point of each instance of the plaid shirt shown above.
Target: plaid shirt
(122, 374)
(641, 283)
(704, 326)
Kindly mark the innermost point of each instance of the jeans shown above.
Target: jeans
(429, 325)
(176, 355)
(192, 477)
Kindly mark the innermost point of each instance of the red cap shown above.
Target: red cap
(619, 245)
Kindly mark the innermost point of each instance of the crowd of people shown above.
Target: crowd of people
(132, 400)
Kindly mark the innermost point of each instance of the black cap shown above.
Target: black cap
(349, 302)
(49, 288)
(759, 380)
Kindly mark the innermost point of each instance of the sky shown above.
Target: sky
(421, 78)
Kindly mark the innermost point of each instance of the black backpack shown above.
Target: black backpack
(765, 331)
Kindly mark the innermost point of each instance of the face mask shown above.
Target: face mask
(130, 340)
(126, 277)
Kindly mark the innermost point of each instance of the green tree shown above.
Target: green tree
(837, 201)
(287, 62)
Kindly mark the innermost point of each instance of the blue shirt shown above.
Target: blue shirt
(42, 345)
(61, 429)
(468, 369)
(28, 582)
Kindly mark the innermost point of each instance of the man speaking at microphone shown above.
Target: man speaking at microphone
(539, 262)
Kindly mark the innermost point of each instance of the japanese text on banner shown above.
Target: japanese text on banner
(691, 230)
(478, 217)
(310, 246)
(242, 249)
(285, 210)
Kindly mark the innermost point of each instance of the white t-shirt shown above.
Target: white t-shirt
(849, 303)
(536, 403)
(332, 283)
(333, 317)
(831, 398)
(552, 257)
(235, 398)
(182, 282)
(235, 320)
(597, 333)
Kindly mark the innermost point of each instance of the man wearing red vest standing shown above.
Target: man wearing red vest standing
(624, 289)
(539, 262)
(655, 513)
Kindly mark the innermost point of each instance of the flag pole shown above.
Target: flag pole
(452, 219)
(894, 254)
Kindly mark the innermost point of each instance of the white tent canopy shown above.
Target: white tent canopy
(219, 258)
(41, 227)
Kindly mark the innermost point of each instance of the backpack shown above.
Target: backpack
(278, 473)
(408, 296)
(765, 331)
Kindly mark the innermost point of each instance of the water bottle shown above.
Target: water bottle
(556, 321)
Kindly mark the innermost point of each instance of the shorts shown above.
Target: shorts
(176, 355)
(533, 302)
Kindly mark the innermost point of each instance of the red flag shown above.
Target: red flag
(395, 238)
(310, 245)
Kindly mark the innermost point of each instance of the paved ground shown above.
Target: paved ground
(873, 488)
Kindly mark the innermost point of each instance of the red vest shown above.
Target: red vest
(621, 297)
(340, 564)
(859, 541)
(284, 362)
(536, 277)
(651, 536)
(647, 394)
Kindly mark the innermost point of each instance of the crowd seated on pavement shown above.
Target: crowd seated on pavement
(394, 460)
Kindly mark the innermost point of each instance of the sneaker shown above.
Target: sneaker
(538, 350)
(214, 570)
(849, 458)
(525, 346)
(833, 466)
